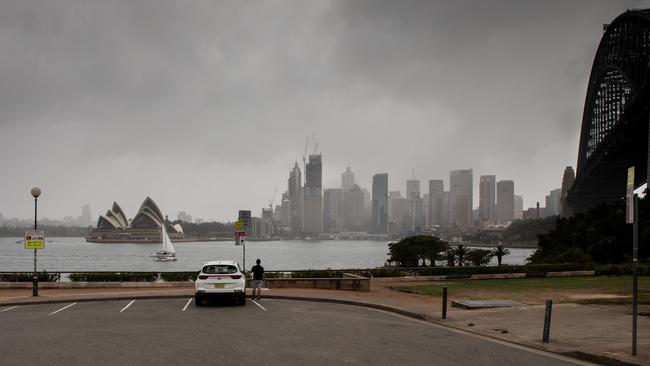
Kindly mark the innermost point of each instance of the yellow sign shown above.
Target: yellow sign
(239, 224)
(629, 197)
(34, 239)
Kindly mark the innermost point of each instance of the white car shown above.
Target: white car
(220, 279)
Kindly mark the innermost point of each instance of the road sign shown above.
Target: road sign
(629, 199)
(240, 233)
(239, 224)
(34, 239)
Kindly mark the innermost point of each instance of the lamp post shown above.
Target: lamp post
(35, 193)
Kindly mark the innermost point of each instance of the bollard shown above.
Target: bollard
(547, 321)
(35, 285)
(444, 303)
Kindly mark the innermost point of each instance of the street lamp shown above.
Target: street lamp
(35, 193)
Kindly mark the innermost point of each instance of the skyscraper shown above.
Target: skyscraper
(379, 222)
(567, 182)
(519, 207)
(487, 199)
(553, 203)
(460, 197)
(436, 192)
(505, 201)
(86, 217)
(415, 204)
(295, 199)
(333, 220)
(353, 207)
(313, 196)
(347, 179)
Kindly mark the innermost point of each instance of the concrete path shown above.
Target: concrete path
(600, 334)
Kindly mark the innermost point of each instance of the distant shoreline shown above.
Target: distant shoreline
(481, 245)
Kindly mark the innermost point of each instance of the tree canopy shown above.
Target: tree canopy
(417, 250)
(599, 235)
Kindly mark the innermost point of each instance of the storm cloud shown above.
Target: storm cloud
(205, 105)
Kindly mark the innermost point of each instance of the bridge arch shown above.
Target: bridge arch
(614, 132)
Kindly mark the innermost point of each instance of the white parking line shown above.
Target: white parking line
(256, 303)
(7, 309)
(63, 308)
(127, 306)
(187, 304)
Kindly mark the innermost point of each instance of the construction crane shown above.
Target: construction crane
(304, 156)
(273, 199)
(313, 138)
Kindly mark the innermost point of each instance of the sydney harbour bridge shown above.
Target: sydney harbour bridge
(614, 133)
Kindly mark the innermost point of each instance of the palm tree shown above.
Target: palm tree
(500, 252)
(450, 257)
(460, 252)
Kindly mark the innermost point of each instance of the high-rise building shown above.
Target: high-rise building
(444, 220)
(313, 196)
(379, 223)
(567, 182)
(553, 203)
(415, 204)
(505, 201)
(460, 197)
(266, 229)
(333, 219)
(285, 209)
(519, 207)
(86, 217)
(353, 208)
(487, 199)
(295, 199)
(436, 192)
(398, 209)
(347, 179)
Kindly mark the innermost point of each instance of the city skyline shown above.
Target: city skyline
(102, 103)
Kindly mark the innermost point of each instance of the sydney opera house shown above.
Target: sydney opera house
(115, 227)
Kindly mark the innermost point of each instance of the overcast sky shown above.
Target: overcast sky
(205, 105)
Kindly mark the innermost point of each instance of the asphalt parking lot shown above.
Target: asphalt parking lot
(268, 332)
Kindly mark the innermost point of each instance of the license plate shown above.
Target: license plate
(218, 285)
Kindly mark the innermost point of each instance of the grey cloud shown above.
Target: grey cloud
(213, 90)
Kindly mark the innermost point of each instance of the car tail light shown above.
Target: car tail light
(236, 277)
(203, 277)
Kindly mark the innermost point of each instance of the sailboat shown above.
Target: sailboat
(167, 253)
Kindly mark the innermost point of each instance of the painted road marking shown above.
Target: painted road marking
(127, 306)
(63, 308)
(256, 303)
(7, 309)
(187, 304)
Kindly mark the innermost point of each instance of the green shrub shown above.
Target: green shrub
(179, 276)
(327, 273)
(113, 276)
(27, 277)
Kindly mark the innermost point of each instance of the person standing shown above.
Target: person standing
(258, 278)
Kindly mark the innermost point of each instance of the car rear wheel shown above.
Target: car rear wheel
(198, 300)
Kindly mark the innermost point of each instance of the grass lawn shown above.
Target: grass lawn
(563, 289)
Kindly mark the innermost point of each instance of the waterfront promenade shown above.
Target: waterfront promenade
(595, 332)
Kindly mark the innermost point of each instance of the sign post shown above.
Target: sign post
(632, 217)
(34, 239)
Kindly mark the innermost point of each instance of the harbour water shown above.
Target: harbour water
(75, 255)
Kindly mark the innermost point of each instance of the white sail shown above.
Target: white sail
(167, 253)
(166, 242)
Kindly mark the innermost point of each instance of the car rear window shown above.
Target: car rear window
(219, 269)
